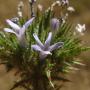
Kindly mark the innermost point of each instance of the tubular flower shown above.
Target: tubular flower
(54, 24)
(45, 49)
(18, 31)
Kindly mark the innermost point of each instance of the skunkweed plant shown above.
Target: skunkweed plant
(42, 49)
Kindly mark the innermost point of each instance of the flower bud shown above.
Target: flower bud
(20, 6)
(54, 24)
(32, 1)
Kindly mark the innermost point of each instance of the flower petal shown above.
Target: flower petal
(22, 30)
(10, 31)
(80, 28)
(38, 41)
(36, 48)
(13, 25)
(29, 22)
(46, 52)
(48, 40)
(25, 26)
(43, 54)
(56, 46)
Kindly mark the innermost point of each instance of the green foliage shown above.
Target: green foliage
(27, 62)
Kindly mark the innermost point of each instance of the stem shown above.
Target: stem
(32, 9)
(39, 83)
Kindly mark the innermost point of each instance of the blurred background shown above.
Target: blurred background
(80, 79)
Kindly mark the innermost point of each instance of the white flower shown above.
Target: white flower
(40, 7)
(15, 19)
(20, 6)
(18, 31)
(71, 9)
(56, 3)
(80, 28)
(20, 14)
(64, 18)
(45, 49)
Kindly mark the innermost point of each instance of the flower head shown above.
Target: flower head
(32, 1)
(40, 7)
(45, 49)
(18, 31)
(15, 19)
(64, 18)
(20, 6)
(80, 28)
(65, 2)
(71, 9)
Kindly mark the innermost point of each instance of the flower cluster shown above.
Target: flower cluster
(20, 34)
(20, 6)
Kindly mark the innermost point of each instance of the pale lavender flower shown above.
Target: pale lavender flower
(65, 2)
(32, 1)
(18, 31)
(45, 49)
(54, 23)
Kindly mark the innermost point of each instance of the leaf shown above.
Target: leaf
(48, 73)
